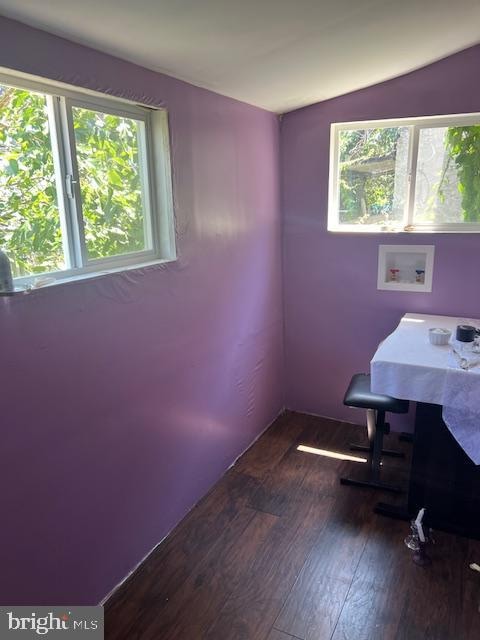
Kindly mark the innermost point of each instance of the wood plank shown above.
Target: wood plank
(374, 605)
(215, 518)
(391, 597)
(300, 472)
(270, 448)
(254, 604)
(275, 634)
(447, 585)
(194, 608)
(315, 602)
(337, 436)
(279, 492)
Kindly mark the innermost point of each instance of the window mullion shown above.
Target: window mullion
(148, 201)
(412, 178)
(56, 137)
(72, 184)
(158, 147)
(334, 179)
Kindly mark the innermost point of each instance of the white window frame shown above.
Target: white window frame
(156, 178)
(407, 225)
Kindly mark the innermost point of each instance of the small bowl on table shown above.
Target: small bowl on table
(439, 336)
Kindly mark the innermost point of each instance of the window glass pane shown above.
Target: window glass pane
(373, 175)
(108, 157)
(29, 218)
(447, 184)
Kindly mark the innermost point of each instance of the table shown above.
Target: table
(407, 366)
(443, 478)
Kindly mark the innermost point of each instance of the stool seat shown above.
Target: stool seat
(359, 395)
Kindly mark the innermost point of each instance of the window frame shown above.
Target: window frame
(408, 224)
(156, 178)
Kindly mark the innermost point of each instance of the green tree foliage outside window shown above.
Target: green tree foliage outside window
(108, 158)
(107, 149)
(367, 174)
(463, 145)
(369, 160)
(29, 216)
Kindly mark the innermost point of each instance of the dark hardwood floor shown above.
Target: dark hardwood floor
(279, 549)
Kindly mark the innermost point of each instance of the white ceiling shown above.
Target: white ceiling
(277, 54)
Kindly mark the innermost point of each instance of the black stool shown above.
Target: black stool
(359, 395)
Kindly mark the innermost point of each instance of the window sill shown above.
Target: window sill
(27, 285)
(364, 230)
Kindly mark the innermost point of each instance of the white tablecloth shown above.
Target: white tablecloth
(407, 366)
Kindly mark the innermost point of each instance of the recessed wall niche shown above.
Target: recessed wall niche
(405, 267)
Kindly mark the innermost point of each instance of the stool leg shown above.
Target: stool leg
(376, 458)
(372, 426)
(371, 420)
(385, 452)
(375, 428)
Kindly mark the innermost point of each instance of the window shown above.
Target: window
(84, 182)
(419, 174)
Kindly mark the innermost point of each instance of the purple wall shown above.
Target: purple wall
(126, 397)
(334, 315)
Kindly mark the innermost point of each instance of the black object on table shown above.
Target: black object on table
(443, 479)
